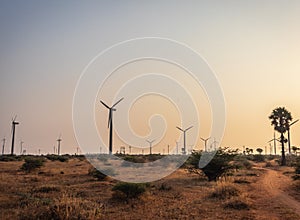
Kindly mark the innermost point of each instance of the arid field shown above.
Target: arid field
(66, 190)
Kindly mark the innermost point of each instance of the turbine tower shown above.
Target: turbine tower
(3, 146)
(58, 144)
(110, 123)
(274, 139)
(289, 139)
(205, 143)
(150, 142)
(184, 137)
(13, 129)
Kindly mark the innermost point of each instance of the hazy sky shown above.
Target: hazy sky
(253, 47)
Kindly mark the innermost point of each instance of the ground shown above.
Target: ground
(62, 190)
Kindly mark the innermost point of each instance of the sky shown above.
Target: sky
(252, 47)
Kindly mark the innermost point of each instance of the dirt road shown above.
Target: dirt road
(275, 184)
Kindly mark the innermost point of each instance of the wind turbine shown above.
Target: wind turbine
(214, 143)
(110, 122)
(13, 129)
(177, 147)
(184, 136)
(58, 144)
(289, 139)
(274, 139)
(3, 145)
(205, 142)
(150, 142)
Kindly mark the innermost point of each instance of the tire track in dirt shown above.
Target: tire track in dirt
(274, 183)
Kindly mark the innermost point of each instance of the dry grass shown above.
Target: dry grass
(66, 191)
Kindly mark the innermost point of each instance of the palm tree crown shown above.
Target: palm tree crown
(280, 119)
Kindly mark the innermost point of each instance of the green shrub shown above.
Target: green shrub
(296, 165)
(54, 157)
(7, 158)
(129, 190)
(218, 166)
(258, 158)
(47, 189)
(236, 204)
(32, 163)
(224, 191)
(101, 175)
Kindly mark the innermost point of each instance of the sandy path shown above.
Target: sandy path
(274, 183)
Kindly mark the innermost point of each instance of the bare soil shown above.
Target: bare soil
(267, 193)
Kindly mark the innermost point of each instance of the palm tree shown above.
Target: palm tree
(280, 119)
(259, 150)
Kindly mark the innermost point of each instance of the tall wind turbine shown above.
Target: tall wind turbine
(58, 144)
(184, 137)
(205, 142)
(110, 123)
(274, 139)
(3, 146)
(13, 129)
(150, 142)
(289, 139)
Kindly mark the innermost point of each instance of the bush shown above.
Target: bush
(101, 175)
(241, 162)
(7, 158)
(218, 166)
(129, 190)
(236, 204)
(224, 191)
(54, 157)
(258, 158)
(296, 165)
(32, 163)
(47, 189)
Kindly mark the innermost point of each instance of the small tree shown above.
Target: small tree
(259, 150)
(280, 119)
(32, 164)
(218, 166)
(295, 149)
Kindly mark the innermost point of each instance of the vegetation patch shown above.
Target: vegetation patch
(128, 190)
(224, 191)
(101, 175)
(221, 163)
(237, 204)
(32, 163)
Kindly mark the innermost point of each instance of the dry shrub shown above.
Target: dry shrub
(224, 190)
(70, 207)
(239, 203)
(65, 208)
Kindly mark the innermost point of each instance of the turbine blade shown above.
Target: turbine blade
(294, 122)
(202, 139)
(188, 128)
(105, 104)
(15, 118)
(179, 128)
(117, 102)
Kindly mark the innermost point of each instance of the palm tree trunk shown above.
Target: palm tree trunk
(283, 160)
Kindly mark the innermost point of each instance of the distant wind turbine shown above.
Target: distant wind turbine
(13, 130)
(150, 142)
(184, 137)
(58, 144)
(110, 123)
(274, 139)
(205, 142)
(289, 139)
(3, 146)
